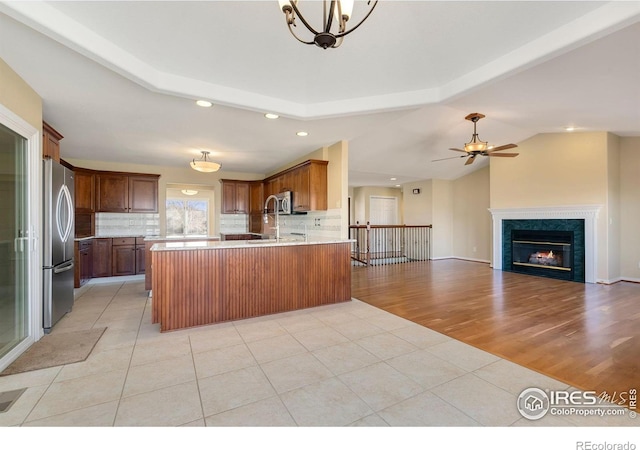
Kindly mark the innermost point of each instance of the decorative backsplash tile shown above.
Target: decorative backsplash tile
(314, 223)
(127, 224)
(234, 223)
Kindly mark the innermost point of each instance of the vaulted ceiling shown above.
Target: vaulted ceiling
(119, 79)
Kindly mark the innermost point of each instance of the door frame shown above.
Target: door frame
(34, 226)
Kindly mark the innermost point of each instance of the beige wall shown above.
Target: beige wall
(338, 182)
(613, 207)
(17, 96)
(472, 224)
(170, 176)
(552, 170)
(442, 232)
(418, 208)
(630, 208)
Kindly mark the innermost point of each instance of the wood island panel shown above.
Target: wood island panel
(205, 286)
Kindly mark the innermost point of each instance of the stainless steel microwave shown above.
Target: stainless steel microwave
(285, 202)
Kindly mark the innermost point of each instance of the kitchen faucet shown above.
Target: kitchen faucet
(275, 208)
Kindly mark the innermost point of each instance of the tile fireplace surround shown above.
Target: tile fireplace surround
(589, 213)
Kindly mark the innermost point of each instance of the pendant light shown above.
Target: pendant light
(204, 165)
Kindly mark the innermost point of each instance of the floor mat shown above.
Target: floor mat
(56, 350)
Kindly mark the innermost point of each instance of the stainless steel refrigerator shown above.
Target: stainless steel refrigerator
(58, 242)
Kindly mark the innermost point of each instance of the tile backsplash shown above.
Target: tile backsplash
(127, 224)
(314, 223)
(234, 223)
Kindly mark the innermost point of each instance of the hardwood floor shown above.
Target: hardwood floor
(585, 335)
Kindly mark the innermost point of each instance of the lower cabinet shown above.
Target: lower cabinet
(123, 259)
(83, 271)
(140, 256)
(102, 257)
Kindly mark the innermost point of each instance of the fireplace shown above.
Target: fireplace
(581, 220)
(553, 248)
(546, 253)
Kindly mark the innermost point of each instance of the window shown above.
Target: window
(187, 217)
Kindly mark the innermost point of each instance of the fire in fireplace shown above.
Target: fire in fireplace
(545, 253)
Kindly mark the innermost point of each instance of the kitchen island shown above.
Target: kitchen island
(149, 241)
(199, 282)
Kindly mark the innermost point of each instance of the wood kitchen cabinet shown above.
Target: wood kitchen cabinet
(50, 142)
(256, 203)
(141, 260)
(126, 193)
(85, 205)
(307, 181)
(112, 193)
(310, 186)
(123, 260)
(83, 271)
(85, 190)
(102, 257)
(143, 194)
(235, 197)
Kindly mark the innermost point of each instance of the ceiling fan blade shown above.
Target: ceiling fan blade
(502, 147)
(453, 157)
(470, 160)
(458, 150)
(506, 155)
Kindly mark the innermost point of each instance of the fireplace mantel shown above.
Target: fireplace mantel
(589, 213)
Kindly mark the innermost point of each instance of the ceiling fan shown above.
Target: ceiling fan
(477, 147)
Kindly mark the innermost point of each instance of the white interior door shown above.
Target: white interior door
(383, 210)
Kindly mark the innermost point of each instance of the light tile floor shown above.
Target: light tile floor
(341, 365)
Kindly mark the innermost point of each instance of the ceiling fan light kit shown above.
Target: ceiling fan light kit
(338, 10)
(476, 146)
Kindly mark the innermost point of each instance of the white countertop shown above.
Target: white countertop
(212, 245)
(180, 238)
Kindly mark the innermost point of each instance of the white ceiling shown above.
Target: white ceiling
(118, 79)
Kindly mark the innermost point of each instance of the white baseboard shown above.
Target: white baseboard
(105, 280)
(485, 261)
(619, 279)
(462, 258)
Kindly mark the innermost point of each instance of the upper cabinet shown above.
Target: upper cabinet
(235, 197)
(112, 193)
(85, 190)
(126, 193)
(143, 194)
(307, 181)
(50, 142)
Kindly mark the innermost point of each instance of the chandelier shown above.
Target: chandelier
(204, 165)
(340, 10)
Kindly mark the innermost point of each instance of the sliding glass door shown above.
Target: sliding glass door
(14, 241)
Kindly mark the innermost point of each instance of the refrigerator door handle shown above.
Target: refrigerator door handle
(64, 268)
(64, 207)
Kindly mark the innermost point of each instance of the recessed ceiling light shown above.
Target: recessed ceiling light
(397, 185)
(271, 116)
(569, 128)
(393, 179)
(204, 103)
(302, 133)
